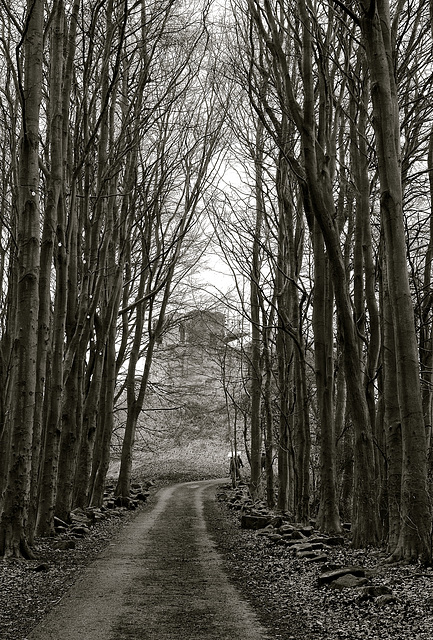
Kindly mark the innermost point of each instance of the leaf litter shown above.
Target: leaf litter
(281, 588)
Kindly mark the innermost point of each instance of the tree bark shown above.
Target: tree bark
(268, 413)
(414, 540)
(392, 420)
(73, 390)
(56, 215)
(328, 518)
(256, 359)
(101, 457)
(426, 331)
(13, 521)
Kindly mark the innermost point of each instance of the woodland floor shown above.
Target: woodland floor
(281, 588)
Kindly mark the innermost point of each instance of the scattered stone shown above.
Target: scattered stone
(79, 517)
(94, 515)
(142, 496)
(374, 591)
(287, 529)
(330, 576)
(296, 535)
(277, 521)
(290, 543)
(329, 566)
(335, 541)
(306, 547)
(382, 601)
(254, 521)
(348, 581)
(61, 530)
(99, 516)
(237, 505)
(306, 531)
(122, 501)
(58, 523)
(299, 548)
(275, 537)
(317, 540)
(64, 545)
(79, 532)
(306, 554)
(267, 531)
(318, 558)
(346, 619)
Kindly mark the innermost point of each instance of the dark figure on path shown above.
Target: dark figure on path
(235, 469)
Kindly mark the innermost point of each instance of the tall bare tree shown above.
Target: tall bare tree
(377, 30)
(14, 515)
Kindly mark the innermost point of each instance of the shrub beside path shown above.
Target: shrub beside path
(162, 580)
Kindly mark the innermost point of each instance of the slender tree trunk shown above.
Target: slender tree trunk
(44, 334)
(328, 517)
(135, 402)
(7, 376)
(72, 400)
(133, 409)
(268, 417)
(284, 284)
(302, 438)
(363, 244)
(392, 421)
(284, 356)
(10, 278)
(57, 216)
(256, 359)
(13, 521)
(106, 405)
(302, 435)
(123, 487)
(414, 541)
(426, 331)
(48, 487)
(344, 438)
(72, 420)
(110, 310)
(90, 423)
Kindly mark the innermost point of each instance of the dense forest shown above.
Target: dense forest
(293, 139)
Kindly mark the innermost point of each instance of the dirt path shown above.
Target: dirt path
(163, 580)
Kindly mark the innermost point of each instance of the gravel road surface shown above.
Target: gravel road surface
(162, 580)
